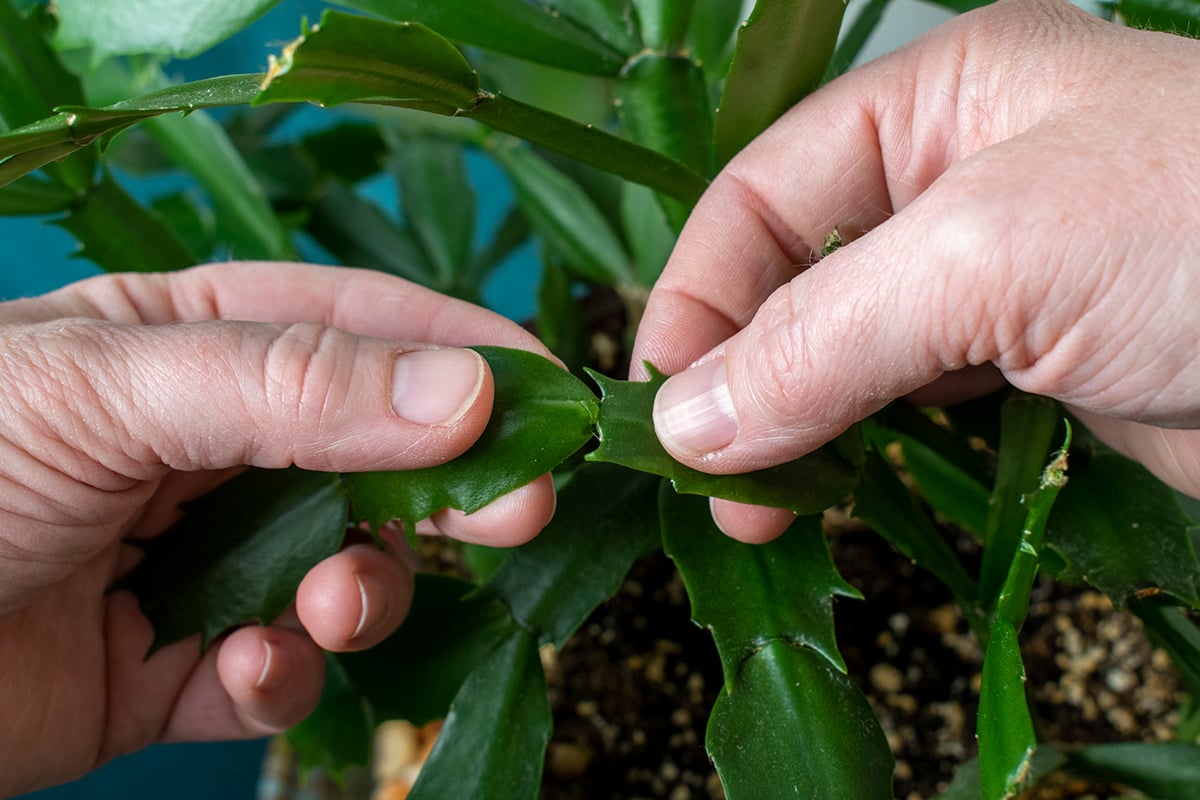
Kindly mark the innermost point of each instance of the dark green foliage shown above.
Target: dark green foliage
(600, 188)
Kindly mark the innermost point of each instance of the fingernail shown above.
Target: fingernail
(436, 387)
(369, 587)
(275, 672)
(693, 412)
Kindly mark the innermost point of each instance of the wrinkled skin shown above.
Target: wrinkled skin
(122, 396)
(1021, 192)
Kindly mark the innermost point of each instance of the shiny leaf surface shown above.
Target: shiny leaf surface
(535, 31)
(450, 629)
(806, 486)
(606, 518)
(748, 595)
(351, 58)
(239, 553)
(541, 414)
(494, 740)
(1004, 728)
(782, 52)
(793, 726)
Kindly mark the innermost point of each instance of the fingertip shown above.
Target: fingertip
(355, 599)
(748, 523)
(272, 676)
(508, 521)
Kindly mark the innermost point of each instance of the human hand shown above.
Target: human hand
(124, 395)
(1020, 192)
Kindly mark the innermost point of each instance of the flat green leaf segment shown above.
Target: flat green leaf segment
(606, 518)
(793, 726)
(180, 28)
(749, 595)
(807, 485)
(577, 35)
(495, 736)
(541, 414)
(1166, 770)
(451, 628)
(341, 730)
(75, 127)
(1122, 531)
(1004, 727)
(884, 503)
(782, 52)
(239, 554)
(352, 58)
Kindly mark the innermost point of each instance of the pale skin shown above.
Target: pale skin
(1021, 192)
(122, 396)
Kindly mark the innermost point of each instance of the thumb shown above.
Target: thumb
(217, 394)
(832, 346)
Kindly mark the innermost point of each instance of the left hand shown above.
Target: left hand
(124, 395)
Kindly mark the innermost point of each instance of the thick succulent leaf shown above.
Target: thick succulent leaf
(1173, 16)
(592, 146)
(965, 785)
(806, 486)
(664, 23)
(539, 32)
(782, 52)
(438, 203)
(181, 28)
(239, 553)
(120, 234)
(712, 35)
(749, 594)
(1027, 431)
(1004, 728)
(494, 740)
(340, 732)
(349, 58)
(793, 726)
(606, 518)
(882, 501)
(1013, 603)
(364, 60)
(75, 127)
(1121, 530)
(664, 105)
(561, 212)
(450, 629)
(613, 21)
(199, 145)
(1163, 770)
(540, 415)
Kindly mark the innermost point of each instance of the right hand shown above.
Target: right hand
(1021, 192)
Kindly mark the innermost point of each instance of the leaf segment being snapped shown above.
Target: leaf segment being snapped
(542, 415)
